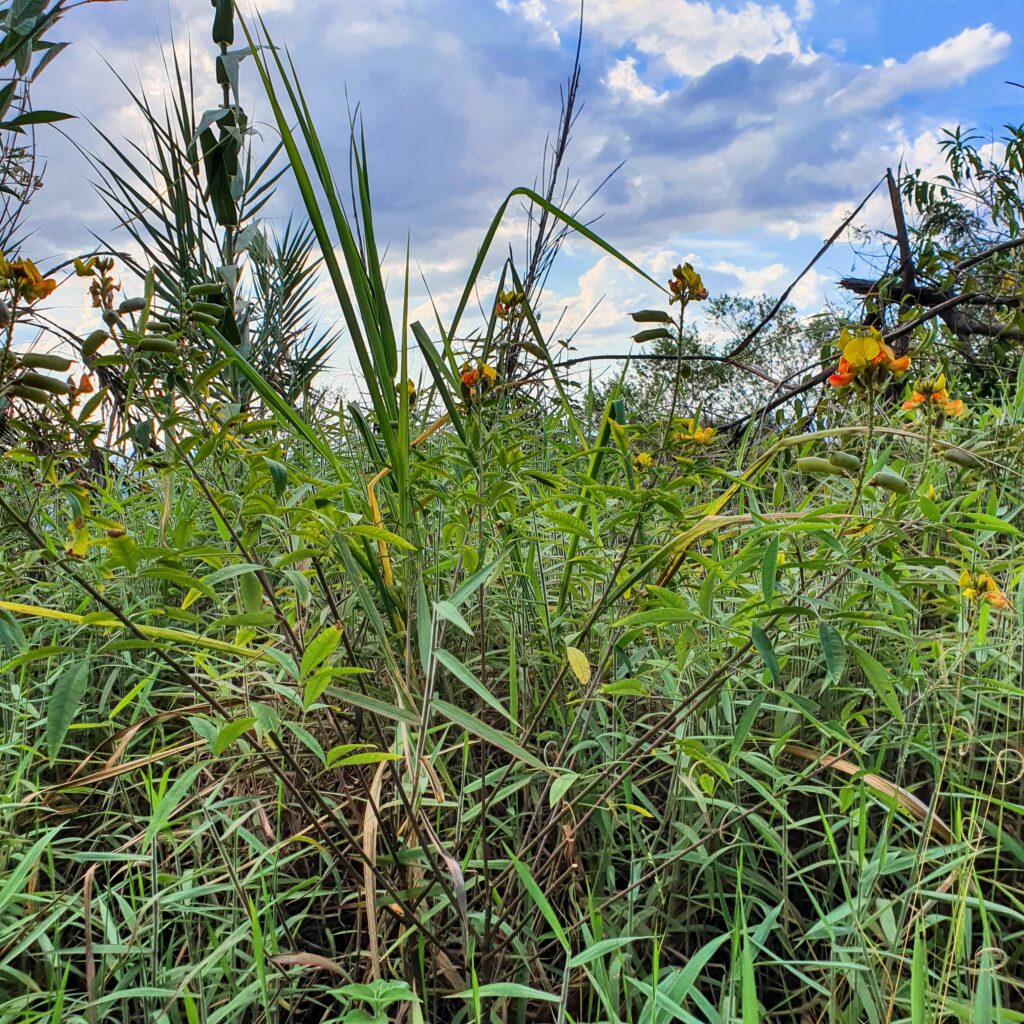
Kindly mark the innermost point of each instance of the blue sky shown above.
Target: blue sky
(747, 129)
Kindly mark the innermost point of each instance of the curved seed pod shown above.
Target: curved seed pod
(212, 308)
(30, 394)
(204, 318)
(817, 466)
(651, 316)
(44, 361)
(93, 342)
(43, 383)
(652, 334)
(844, 460)
(206, 288)
(110, 317)
(163, 345)
(890, 481)
(961, 458)
(132, 306)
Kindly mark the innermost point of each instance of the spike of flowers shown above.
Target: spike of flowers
(935, 395)
(686, 285)
(691, 432)
(476, 379)
(982, 587)
(24, 277)
(863, 357)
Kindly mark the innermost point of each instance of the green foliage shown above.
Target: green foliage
(488, 701)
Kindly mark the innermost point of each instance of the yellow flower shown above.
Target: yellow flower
(473, 377)
(643, 460)
(29, 283)
(865, 354)
(982, 586)
(860, 349)
(691, 432)
(686, 285)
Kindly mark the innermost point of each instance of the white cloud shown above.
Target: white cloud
(804, 10)
(951, 62)
(622, 80)
(533, 13)
(691, 36)
(757, 281)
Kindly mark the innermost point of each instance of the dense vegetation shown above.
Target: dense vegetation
(490, 695)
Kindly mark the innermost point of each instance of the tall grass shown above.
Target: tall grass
(454, 708)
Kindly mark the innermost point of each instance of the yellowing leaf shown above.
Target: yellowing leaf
(579, 664)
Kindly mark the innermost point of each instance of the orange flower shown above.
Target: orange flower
(934, 393)
(843, 376)
(474, 379)
(982, 587)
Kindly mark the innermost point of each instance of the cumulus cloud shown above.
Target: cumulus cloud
(744, 145)
(623, 81)
(688, 37)
(950, 62)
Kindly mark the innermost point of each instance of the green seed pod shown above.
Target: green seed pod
(224, 22)
(844, 460)
(651, 316)
(205, 318)
(207, 288)
(890, 481)
(163, 345)
(212, 308)
(43, 383)
(28, 393)
(817, 466)
(131, 306)
(92, 343)
(961, 458)
(652, 334)
(110, 317)
(5, 314)
(44, 361)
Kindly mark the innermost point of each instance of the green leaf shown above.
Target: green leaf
(881, 682)
(446, 610)
(770, 569)
(62, 706)
(561, 786)
(169, 802)
(506, 990)
(34, 117)
(487, 733)
(366, 757)
(833, 647)
(597, 950)
(763, 646)
(541, 901)
(463, 674)
(227, 734)
(319, 649)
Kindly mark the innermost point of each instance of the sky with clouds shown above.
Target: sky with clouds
(746, 130)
